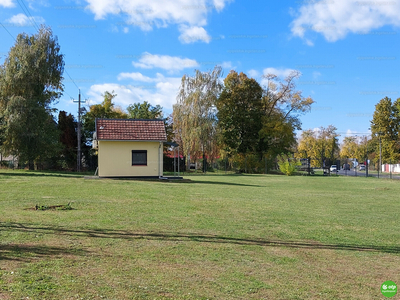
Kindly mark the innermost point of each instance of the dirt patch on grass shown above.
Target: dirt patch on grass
(51, 207)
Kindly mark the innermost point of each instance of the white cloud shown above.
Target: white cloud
(166, 62)
(335, 19)
(278, 72)
(162, 90)
(7, 3)
(193, 34)
(126, 29)
(254, 74)
(190, 15)
(136, 76)
(23, 20)
(227, 65)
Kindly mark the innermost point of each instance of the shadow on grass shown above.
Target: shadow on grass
(114, 234)
(185, 174)
(25, 252)
(217, 183)
(38, 174)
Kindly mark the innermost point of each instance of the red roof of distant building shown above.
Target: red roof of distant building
(131, 130)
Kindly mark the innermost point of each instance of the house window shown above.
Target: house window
(139, 157)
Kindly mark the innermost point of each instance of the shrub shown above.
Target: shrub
(287, 165)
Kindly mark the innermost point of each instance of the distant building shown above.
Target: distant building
(130, 147)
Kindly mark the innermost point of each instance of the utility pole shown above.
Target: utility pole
(79, 133)
(366, 161)
(380, 153)
(79, 156)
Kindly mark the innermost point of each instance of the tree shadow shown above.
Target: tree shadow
(25, 252)
(114, 234)
(222, 174)
(218, 183)
(28, 174)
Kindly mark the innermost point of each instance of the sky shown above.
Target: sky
(347, 51)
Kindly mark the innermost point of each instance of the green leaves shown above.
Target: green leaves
(30, 81)
(287, 165)
(385, 126)
(240, 113)
(104, 110)
(144, 111)
(319, 146)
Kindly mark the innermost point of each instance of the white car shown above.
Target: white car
(333, 168)
(362, 168)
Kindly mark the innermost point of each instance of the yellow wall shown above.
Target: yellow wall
(115, 159)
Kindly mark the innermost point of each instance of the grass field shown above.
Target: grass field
(216, 237)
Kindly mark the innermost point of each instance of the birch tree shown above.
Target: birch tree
(31, 81)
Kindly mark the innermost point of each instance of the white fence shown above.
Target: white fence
(391, 168)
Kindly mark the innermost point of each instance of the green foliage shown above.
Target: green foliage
(4, 163)
(144, 111)
(106, 110)
(257, 120)
(248, 163)
(240, 113)
(30, 82)
(319, 146)
(67, 127)
(287, 165)
(385, 126)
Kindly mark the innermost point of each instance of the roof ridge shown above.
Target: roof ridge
(130, 119)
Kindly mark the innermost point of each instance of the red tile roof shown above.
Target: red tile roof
(130, 130)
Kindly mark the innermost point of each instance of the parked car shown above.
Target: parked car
(333, 168)
(346, 167)
(362, 167)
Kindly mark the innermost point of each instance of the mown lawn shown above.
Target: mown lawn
(216, 237)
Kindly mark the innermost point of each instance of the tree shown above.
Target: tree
(67, 127)
(31, 80)
(260, 120)
(321, 146)
(240, 113)
(385, 126)
(195, 114)
(350, 147)
(106, 110)
(144, 111)
(283, 105)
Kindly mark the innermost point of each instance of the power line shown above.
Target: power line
(69, 95)
(71, 78)
(8, 31)
(28, 13)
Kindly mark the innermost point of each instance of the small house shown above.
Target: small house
(130, 147)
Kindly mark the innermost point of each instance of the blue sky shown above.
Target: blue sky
(347, 51)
